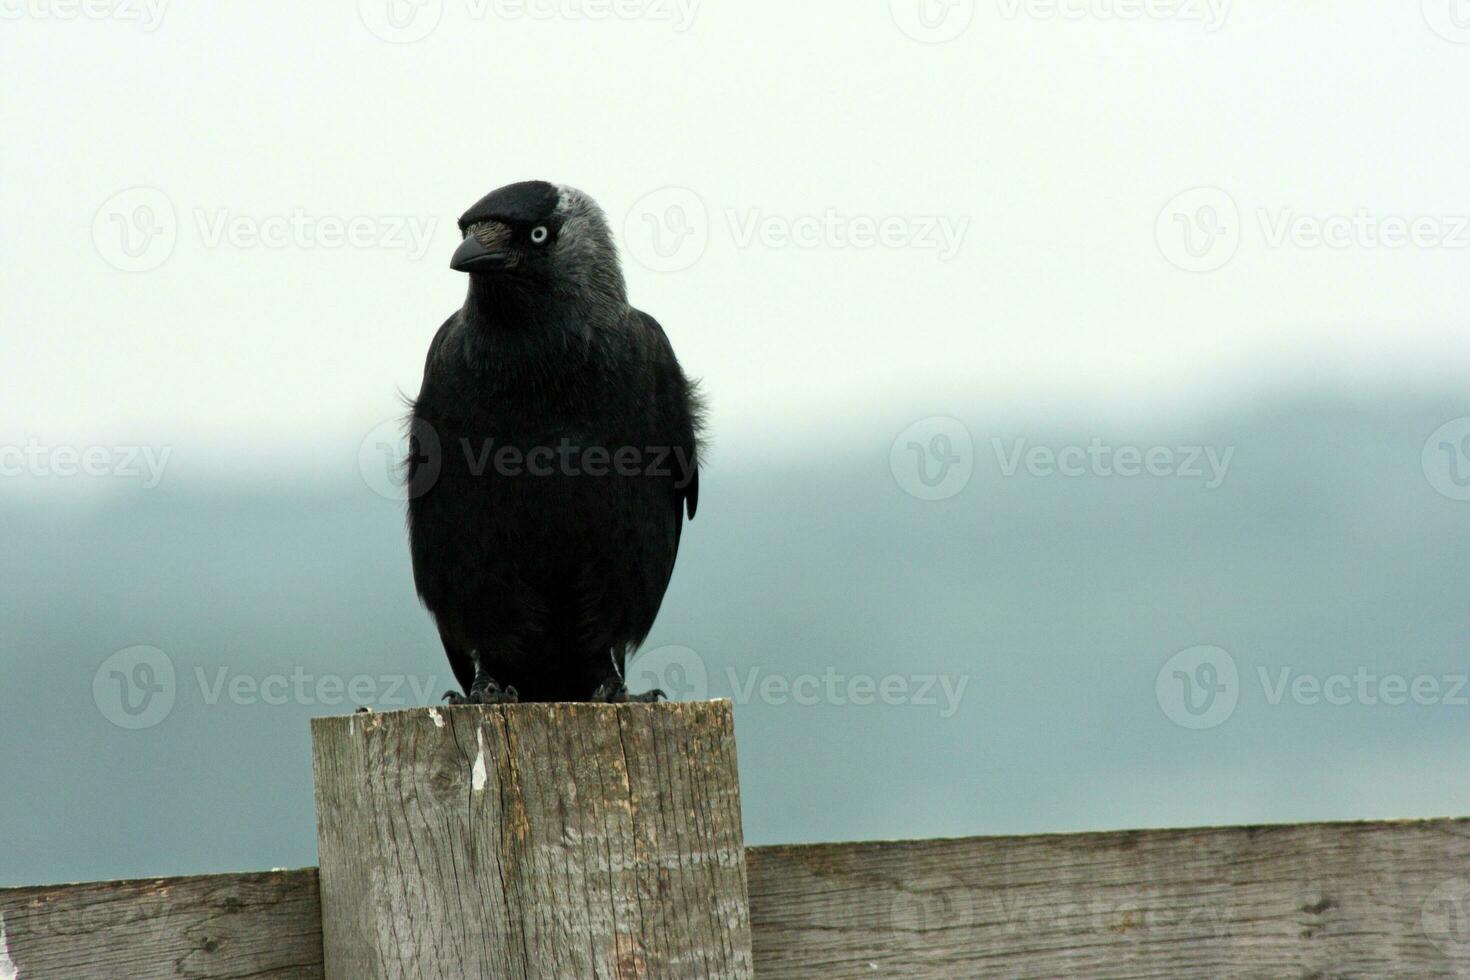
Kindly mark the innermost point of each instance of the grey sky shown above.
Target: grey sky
(1051, 143)
(979, 230)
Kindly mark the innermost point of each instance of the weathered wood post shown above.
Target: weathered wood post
(532, 841)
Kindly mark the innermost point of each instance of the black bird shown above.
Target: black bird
(553, 457)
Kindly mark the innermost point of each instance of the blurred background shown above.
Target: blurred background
(1090, 439)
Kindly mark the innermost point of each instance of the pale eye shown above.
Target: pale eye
(539, 234)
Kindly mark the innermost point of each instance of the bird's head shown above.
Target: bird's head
(541, 239)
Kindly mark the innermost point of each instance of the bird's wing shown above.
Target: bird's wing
(681, 411)
(620, 588)
(416, 455)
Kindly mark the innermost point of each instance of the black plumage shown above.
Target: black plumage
(553, 457)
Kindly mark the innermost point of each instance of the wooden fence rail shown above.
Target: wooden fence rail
(1309, 900)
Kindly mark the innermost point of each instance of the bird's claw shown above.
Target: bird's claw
(616, 692)
(484, 692)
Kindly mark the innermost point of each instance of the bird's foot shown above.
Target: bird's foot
(614, 691)
(484, 691)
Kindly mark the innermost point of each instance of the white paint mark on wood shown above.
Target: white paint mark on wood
(438, 718)
(477, 778)
(401, 846)
(8, 970)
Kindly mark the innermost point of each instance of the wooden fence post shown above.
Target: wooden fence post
(532, 841)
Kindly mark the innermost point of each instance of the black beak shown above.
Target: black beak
(471, 256)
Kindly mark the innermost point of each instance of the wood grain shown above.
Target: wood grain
(532, 841)
(208, 927)
(1309, 900)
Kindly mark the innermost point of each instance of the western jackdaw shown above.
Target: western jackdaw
(553, 457)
